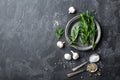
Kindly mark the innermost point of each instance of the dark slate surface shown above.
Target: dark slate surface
(28, 44)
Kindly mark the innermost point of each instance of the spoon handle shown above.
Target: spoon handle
(74, 73)
(79, 66)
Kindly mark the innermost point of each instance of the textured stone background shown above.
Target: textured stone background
(28, 44)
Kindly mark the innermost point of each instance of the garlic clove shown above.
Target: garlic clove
(60, 44)
(67, 56)
(71, 9)
(75, 55)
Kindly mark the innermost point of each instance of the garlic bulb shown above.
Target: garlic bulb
(60, 44)
(75, 55)
(94, 58)
(71, 9)
(67, 56)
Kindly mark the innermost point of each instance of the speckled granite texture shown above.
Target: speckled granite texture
(28, 43)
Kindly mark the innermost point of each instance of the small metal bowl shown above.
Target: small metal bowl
(72, 24)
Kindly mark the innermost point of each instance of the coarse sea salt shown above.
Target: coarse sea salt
(94, 58)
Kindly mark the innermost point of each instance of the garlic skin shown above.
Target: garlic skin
(67, 56)
(75, 55)
(71, 10)
(60, 44)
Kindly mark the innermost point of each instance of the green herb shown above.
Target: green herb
(59, 32)
(87, 28)
(73, 38)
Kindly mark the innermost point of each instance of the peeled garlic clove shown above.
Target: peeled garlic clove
(71, 9)
(60, 44)
(67, 56)
(75, 55)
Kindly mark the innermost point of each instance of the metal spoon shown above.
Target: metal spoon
(80, 71)
(79, 66)
(92, 59)
(74, 73)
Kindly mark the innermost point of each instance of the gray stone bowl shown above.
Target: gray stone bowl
(71, 25)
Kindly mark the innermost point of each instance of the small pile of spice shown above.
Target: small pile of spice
(92, 67)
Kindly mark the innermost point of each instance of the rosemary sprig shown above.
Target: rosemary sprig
(59, 32)
(87, 28)
(73, 38)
